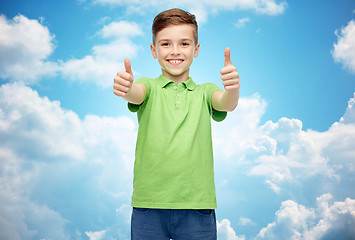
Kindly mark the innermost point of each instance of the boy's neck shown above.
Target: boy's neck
(177, 78)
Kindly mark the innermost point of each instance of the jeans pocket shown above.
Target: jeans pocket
(143, 210)
(204, 211)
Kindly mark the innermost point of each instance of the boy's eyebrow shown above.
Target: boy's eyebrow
(186, 39)
(182, 39)
(164, 40)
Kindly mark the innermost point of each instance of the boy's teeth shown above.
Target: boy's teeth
(175, 61)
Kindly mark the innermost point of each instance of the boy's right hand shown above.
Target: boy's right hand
(123, 80)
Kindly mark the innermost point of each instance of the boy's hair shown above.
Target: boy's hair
(174, 17)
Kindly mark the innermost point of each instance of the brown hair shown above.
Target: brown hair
(174, 17)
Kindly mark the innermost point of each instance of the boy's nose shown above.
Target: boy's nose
(175, 50)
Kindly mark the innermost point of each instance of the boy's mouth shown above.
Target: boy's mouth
(175, 61)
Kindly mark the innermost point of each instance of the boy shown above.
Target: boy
(173, 187)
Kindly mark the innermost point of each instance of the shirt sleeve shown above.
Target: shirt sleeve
(218, 116)
(134, 107)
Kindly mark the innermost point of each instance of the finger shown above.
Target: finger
(231, 87)
(119, 93)
(123, 81)
(231, 82)
(227, 57)
(229, 76)
(127, 65)
(121, 88)
(123, 76)
(228, 69)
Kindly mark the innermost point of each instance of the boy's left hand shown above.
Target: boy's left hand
(229, 73)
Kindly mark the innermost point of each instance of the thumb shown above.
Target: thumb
(127, 65)
(227, 57)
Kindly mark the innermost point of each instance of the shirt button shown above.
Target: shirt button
(178, 102)
(175, 87)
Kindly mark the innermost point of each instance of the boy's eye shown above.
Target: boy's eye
(185, 44)
(165, 44)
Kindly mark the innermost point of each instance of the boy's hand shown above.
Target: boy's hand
(123, 80)
(229, 74)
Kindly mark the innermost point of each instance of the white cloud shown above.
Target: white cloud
(96, 235)
(51, 159)
(226, 232)
(20, 217)
(27, 118)
(106, 59)
(201, 8)
(245, 221)
(291, 219)
(25, 45)
(327, 221)
(349, 116)
(282, 152)
(297, 154)
(122, 29)
(271, 7)
(335, 220)
(227, 135)
(293, 163)
(241, 22)
(344, 49)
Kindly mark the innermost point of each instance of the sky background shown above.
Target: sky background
(284, 159)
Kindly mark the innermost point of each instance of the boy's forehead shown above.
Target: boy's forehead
(181, 31)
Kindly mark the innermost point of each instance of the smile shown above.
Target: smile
(175, 61)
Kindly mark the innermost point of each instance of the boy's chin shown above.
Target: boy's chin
(176, 77)
(175, 73)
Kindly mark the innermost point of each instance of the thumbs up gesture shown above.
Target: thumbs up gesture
(229, 74)
(123, 80)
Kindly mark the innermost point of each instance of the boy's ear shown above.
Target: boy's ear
(197, 49)
(154, 52)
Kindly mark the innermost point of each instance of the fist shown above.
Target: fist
(123, 80)
(229, 74)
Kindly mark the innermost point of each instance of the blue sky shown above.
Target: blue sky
(284, 159)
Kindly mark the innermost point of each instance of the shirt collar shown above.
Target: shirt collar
(163, 82)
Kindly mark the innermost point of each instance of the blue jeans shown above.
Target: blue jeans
(176, 224)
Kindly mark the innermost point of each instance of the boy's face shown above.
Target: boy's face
(175, 49)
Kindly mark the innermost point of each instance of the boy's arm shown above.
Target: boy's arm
(124, 87)
(228, 100)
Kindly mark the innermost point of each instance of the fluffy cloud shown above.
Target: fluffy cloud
(344, 49)
(241, 124)
(20, 217)
(291, 218)
(241, 22)
(329, 220)
(295, 164)
(349, 116)
(245, 221)
(122, 29)
(201, 8)
(226, 232)
(283, 152)
(27, 118)
(96, 235)
(25, 45)
(51, 159)
(105, 59)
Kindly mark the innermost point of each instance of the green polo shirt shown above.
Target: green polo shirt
(173, 168)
